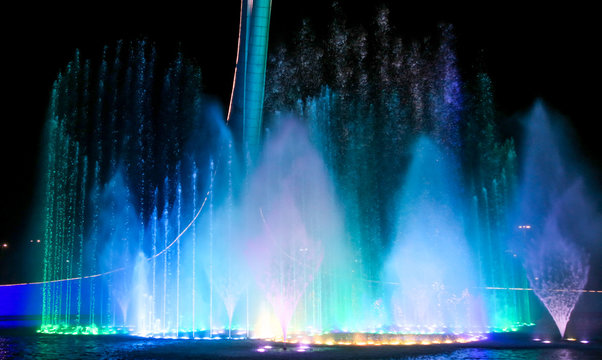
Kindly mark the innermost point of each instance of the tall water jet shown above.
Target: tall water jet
(229, 277)
(292, 225)
(430, 264)
(557, 214)
(142, 298)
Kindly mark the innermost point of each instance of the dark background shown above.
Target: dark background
(536, 52)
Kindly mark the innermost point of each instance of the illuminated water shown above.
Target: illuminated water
(382, 201)
(187, 237)
(560, 208)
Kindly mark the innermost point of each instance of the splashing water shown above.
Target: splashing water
(556, 204)
(430, 259)
(288, 246)
(557, 270)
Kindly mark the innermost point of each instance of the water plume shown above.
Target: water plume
(558, 215)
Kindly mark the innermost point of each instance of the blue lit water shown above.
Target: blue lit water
(26, 346)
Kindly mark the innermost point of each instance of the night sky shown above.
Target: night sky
(528, 52)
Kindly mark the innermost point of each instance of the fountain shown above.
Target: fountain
(294, 226)
(358, 192)
(430, 259)
(556, 203)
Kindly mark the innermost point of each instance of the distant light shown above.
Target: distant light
(546, 342)
(584, 341)
(261, 350)
(4, 245)
(38, 240)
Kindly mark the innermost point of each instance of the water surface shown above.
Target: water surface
(28, 346)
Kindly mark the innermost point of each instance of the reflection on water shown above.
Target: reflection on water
(512, 354)
(121, 347)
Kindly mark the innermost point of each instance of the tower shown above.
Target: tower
(245, 114)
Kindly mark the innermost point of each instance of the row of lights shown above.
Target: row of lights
(435, 341)
(300, 348)
(305, 345)
(5, 245)
(567, 339)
